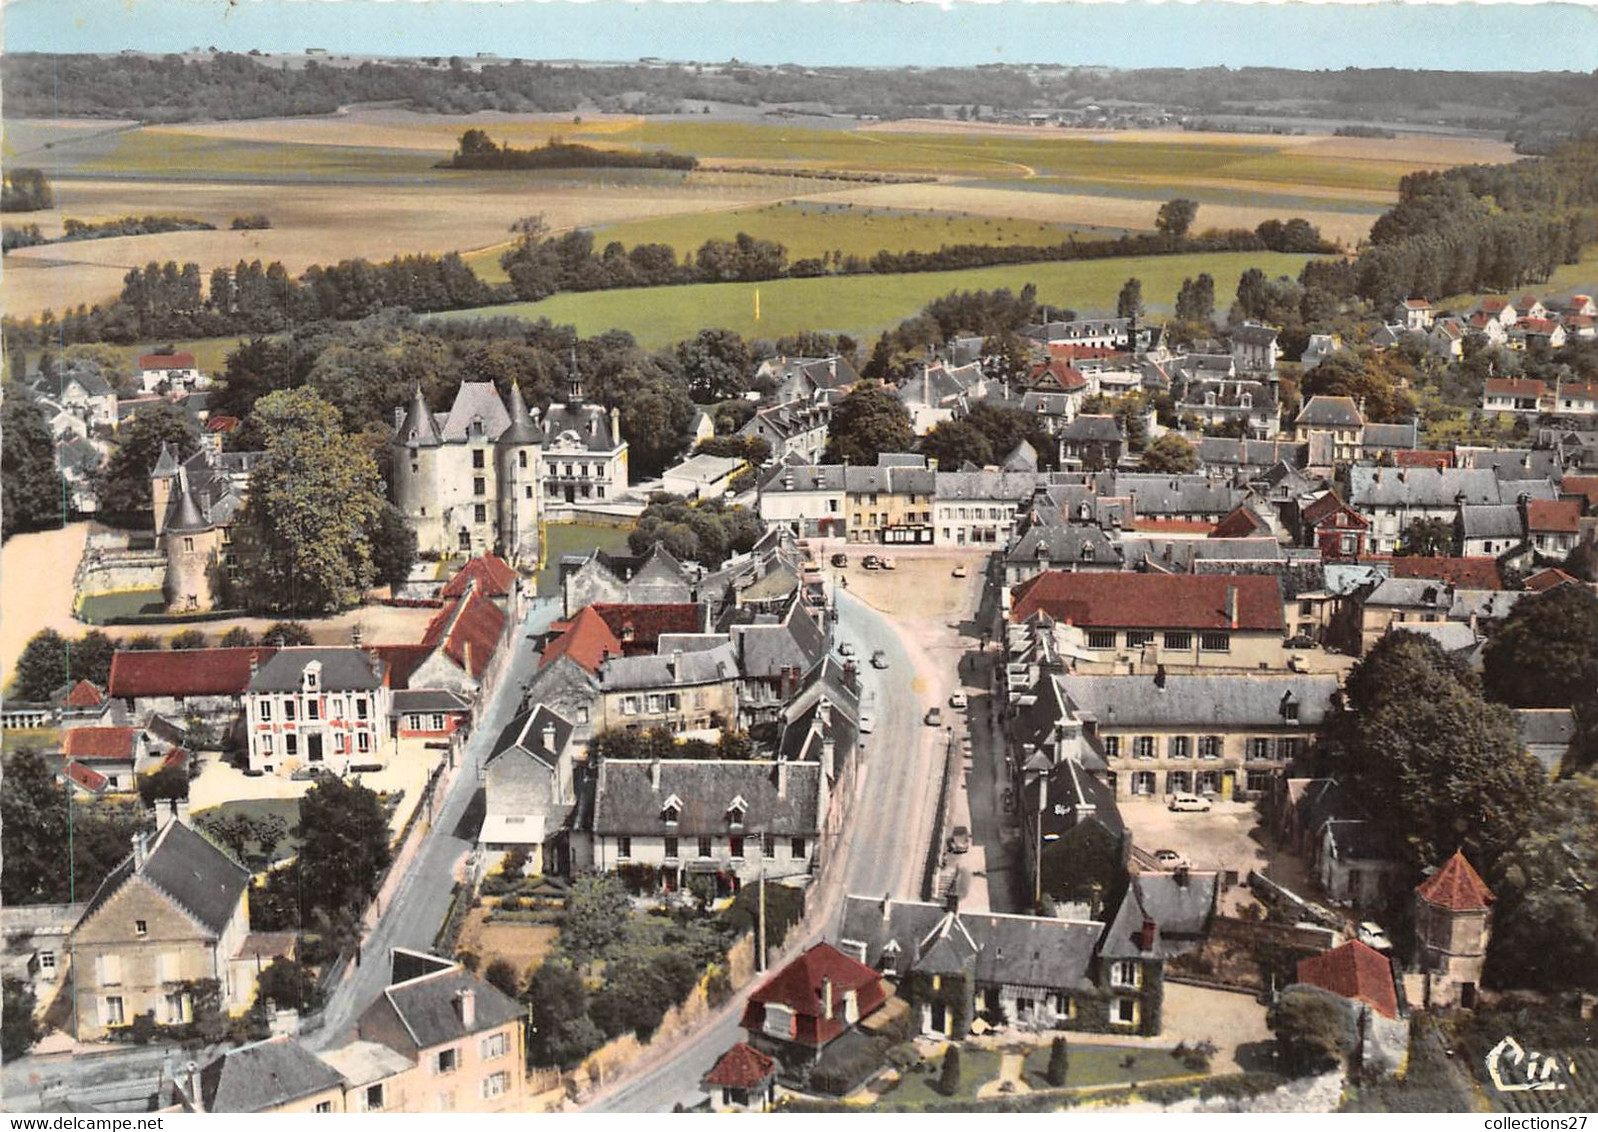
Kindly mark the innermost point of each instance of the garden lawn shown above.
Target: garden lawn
(1105, 1065)
(13, 739)
(286, 808)
(575, 538)
(101, 608)
(863, 305)
(916, 1090)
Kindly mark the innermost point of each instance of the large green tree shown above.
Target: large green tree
(393, 546)
(1435, 762)
(344, 845)
(562, 1032)
(1545, 921)
(1129, 303)
(1176, 216)
(716, 364)
(952, 443)
(1311, 1029)
(1170, 453)
(1195, 301)
(19, 1029)
(1545, 654)
(1426, 538)
(597, 912)
(31, 486)
(866, 423)
(315, 498)
(50, 660)
(124, 481)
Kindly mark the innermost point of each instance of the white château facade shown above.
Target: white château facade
(478, 480)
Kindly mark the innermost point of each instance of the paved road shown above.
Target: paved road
(884, 846)
(419, 905)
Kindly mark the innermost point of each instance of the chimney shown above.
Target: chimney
(615, 426)
(1231, 606)
(466, 1007)
(399, 417)
(782, 778)
(826, 998)
(466, 656)
(1159, 677)
(1145, 937)
(951, 899)
(141, 850)
(1181, 876)
(832, 368)
(549, 737)
(654, 775)
(676, 664)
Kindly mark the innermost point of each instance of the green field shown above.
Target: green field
(1105, 1065)
(257, 808)
(867, 304)
(142, 154)
(575, 538)
(101, 608)
(811, 229)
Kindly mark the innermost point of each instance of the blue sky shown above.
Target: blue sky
(1462, 36)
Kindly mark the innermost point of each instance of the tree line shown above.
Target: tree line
(476, 150)
(74, 229)
(25, 190)
(1483, 227)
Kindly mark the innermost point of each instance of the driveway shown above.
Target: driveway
(1228, 1018)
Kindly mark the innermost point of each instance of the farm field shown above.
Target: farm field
(867, 304)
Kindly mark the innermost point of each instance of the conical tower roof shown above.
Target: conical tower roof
(419, 428)
(522, 430)
(167, 465)
(186, 514)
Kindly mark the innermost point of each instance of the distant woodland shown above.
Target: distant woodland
(1534, 109)
(476, 150)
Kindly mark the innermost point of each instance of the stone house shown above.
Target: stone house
(318, 707)
(277, 1075)
(207, 683)
(680, 690)
(815, 1000)
(890, 503)
(1360, 980)
(1453, 924)
(529, 791)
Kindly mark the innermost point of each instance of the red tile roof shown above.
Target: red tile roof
(91, 780)
(1328, 505)
(99, 744)
(1584, 486)
(1071, 351)
(1581, 391)
(1353, 971)
(167, 361)
(798, 986)
(1063, 373)
(1517, 386)
(1173, 526)
(638, 627)
(1417, 304)
(1422, 458)
(468, 629)
(221, 423)
(1152, 601)
(191, 672)
(1456, 886)
(587, 639)
(742, 1067)
(402, 660)
(1462, 573)
(176, 757)
(1537, 325)
(1494, 304)
(1550, 579)
(1243, 522)
(84, 695)
(493, 575)
(1562, 515)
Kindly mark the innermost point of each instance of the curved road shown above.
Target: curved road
(883, 851)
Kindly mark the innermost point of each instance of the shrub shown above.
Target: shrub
(1059, 1062)
(187, 639)
(949, 1075)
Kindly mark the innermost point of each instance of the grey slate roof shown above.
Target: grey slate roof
(1178, 555)
(1175, 496)
(1018, 487)
(625, 673)
(343, 669)
(1022, 458)
(589, 423)
(1522, 464)
(408, 702)
(1057, 543)
(1330, 412)
(1073, 796)
(1391, 436)
(1180, 911)
(765, 651)
(1437, 487)
(264, 1075)
(894, 478)
(427, 1007)
(626, 802)
(475, 400)
(1253, 334)
(1030, 951)
(804, 477)
(1491, 520)
(197, 876)
(1411, 593)
(1091, 427)
(521, 429)
(419, 427)
(1200, 701)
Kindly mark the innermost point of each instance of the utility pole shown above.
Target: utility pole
(760, 916)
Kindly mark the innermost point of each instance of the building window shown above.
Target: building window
(47, 961)
(141, 927)
(323, 1106)
(1179, 782)
(1139, 638)
(1179, 642)
(1101, 638)
(361, 708)
(480, 513)
(671, 848)
(446, 1102)
(363, 741)
(114, 1014)
(188, 545)
(1259, 748)
(266, 711)
(624, 847)
(735, 847)
(479, 485)
(1259, 781)
(704, 846)
(1126, 973)
(1181, 747)
(798, 848)
(495, 1045)
(374, 1098)
(313, 708)
(1143, 782)
(768, 845)
(1215, 642)
(495, 1085)
(1143, 747)
(1209, 782)
(290, 710)
(521, 459)
(1210, 747)
(1287, 749)
(477, 457)
(1112, 746)
(446, 1061)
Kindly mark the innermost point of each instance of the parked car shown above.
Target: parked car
(1009, 800)
(1170, 859)
(887, 563)
(879, 659)
(935, 717)
(1189, 803)
(866, 723)
(840, 560)
(959, 571)
(1372, 935)
(957, 700)
(845, 648)
(959, 839)
(871, 562)
(1300, 641)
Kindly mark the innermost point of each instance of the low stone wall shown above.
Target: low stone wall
(108, 572)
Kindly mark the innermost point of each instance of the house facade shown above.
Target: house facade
(313, 707)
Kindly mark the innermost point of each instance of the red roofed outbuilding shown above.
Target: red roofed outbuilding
(745, 1078)
(586, 639)
(463, 637)
(1353, 971)
(1453, 924)
(189, 682)
(493, 576)
(114, 752)
(810, 1002)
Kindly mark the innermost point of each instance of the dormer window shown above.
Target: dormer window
(736, 811)
(671, 810)
(312, 679)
